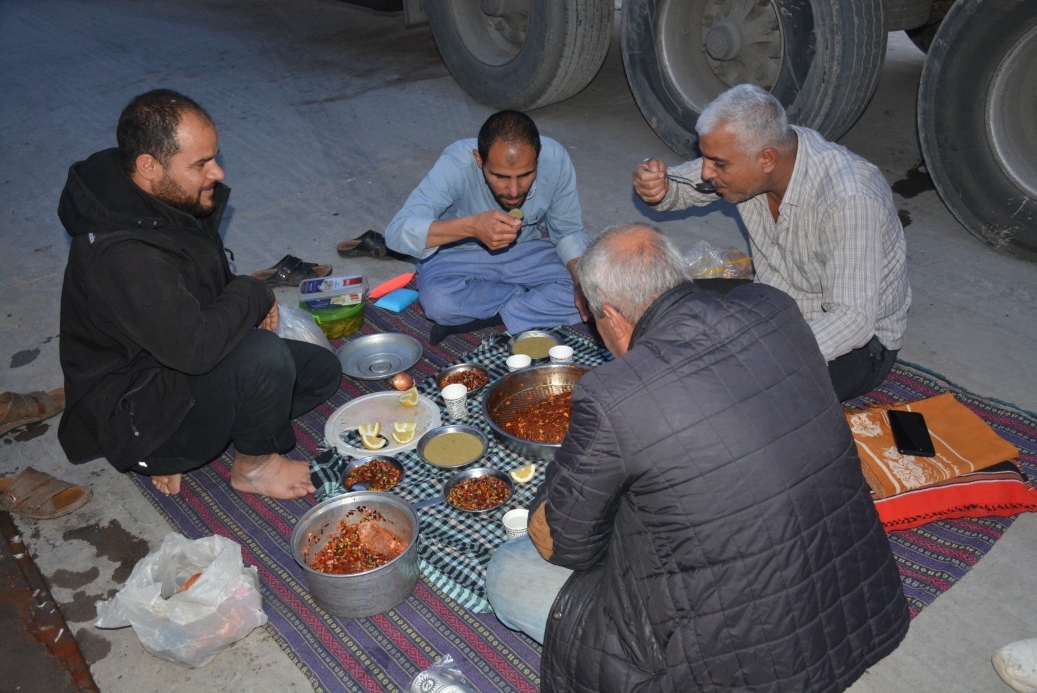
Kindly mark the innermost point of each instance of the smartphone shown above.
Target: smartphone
(910, 433)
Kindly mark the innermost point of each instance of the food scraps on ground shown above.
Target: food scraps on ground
(472, 379)
(379, 475)
(358, 547)
(545, 421)
(480, 493)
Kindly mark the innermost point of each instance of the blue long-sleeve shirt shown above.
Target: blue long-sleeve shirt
(455, 188)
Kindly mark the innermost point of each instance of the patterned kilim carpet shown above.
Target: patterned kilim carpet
(385, 652)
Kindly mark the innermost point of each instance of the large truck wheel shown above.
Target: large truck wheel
(820, 58)
(522, 53)
(977, 120)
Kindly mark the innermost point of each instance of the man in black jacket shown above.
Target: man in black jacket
(167, 356)
(706, 517)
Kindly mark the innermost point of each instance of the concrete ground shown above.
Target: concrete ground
(328, 116)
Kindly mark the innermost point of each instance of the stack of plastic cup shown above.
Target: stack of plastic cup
(517, 361)
(515, 522)
(455, 397)
(561, 354)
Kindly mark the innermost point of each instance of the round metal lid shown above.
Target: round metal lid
(379, 356)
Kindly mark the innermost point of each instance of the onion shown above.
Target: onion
(402, 381)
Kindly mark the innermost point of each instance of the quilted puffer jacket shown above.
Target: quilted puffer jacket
(710, 499)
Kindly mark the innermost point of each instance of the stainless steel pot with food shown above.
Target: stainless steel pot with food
(373, 591)
(520, 389)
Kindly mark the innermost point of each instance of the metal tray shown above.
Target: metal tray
(379, 356)
(452, 428)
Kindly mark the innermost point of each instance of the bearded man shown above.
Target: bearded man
(497, 228)
(163, 362)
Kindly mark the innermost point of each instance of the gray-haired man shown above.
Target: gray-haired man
(705, 524)
(822, 227)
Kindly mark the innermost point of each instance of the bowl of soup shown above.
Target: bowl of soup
(535, 344)
(453, 446)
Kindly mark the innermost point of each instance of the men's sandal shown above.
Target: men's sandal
(291, 271)
(369, 244)
(39, 496)
(22, 410)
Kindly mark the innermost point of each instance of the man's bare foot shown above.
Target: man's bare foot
(168, 484)
(271, 475)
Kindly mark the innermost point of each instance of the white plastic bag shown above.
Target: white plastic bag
(718, 262)
(296, 323)
(190, 627)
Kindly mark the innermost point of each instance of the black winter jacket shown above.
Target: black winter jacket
(709, 496)
(148, 296)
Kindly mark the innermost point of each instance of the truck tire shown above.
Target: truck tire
(907, 14)
(976, 124)
(922, 36)
(522, 53)
(829, 55)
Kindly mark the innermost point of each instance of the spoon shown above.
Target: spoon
(705, 187)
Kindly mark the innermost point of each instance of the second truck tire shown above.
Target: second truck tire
(977, 123)
(830, 53)
(522, 53)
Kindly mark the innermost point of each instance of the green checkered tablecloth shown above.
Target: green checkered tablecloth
(456, 546)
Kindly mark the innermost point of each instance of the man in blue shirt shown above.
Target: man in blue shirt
(497, 228)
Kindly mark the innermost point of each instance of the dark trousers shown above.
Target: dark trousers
(250, 399)
(862, 370)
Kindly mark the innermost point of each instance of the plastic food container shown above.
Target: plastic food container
(338, 322)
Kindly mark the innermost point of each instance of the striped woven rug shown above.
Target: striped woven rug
(385, 652)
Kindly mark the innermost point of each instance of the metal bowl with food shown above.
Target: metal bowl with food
(517, 393)
(375, 473)
(452, 446)
(471, 375)
(533, 343)
(478, 490)
(355, 595)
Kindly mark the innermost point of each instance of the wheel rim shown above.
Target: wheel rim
(1011, 113)
(493, 31)
(707, 47)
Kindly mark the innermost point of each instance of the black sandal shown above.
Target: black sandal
(369, 244)
(291, 271)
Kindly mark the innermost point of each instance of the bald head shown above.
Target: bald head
(628, 267)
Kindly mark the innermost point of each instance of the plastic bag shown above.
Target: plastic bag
(718, 262)
(442, 677)
(296, 323)
(191, 627)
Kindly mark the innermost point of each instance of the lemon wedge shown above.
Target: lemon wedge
(373, 442)
(371, 429)
(410, 398)
(403, 431)
(523, 474)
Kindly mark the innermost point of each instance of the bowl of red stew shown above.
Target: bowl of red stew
(478, 490)
(359, 552)
(375, 473)
(471, 375)
(528, 410)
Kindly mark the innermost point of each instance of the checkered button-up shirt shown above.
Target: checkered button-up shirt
(837, 246)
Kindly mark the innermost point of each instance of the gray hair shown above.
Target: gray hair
(628, 267)
(755, 116)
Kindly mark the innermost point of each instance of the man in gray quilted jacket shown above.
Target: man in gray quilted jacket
(705, 525)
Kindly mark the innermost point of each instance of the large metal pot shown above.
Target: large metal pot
(359, 594)
(521, 389)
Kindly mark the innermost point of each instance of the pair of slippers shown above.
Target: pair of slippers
(32, 493)
(291, 271)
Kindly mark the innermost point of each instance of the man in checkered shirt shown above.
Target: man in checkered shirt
(822, 227)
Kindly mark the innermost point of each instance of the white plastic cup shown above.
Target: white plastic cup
(561, 354)
(455, 396)
(517, 361)
(516, 522)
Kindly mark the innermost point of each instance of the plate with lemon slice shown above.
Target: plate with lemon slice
(382, 423)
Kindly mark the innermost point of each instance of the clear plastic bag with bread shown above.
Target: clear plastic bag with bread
(718, 262)
(187, 600)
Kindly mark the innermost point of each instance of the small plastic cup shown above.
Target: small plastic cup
(561, 354)
(516, 522)
(517, 361)
(455, 397)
